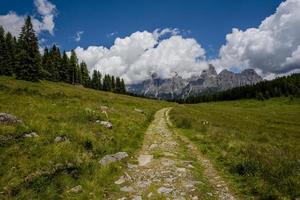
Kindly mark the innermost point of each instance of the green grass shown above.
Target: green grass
(254, 144)
(39, 168)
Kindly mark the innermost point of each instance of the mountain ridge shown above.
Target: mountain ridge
(209, 80)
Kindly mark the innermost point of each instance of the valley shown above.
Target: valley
(61, 149)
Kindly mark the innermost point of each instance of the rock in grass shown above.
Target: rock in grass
(127, 189)
(106, 160)
(60, 139)
(6, 118)
(106, 124)
(138, 110)
(76, 189)
(30, 135)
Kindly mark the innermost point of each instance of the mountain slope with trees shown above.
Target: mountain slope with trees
(282, 86)
(21, 58)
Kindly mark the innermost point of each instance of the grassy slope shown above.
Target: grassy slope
(256, 144)
(57, 109)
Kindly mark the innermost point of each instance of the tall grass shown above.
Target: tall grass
(256, 144)
(40, 168)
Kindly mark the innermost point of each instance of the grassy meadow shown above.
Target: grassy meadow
(39, 168)
(255, 144)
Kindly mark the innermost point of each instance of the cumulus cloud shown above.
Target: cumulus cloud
(13, 22)
(272, 48)
(78, 35)
(137, 56)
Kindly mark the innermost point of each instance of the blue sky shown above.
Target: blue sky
(208, 21)
(122, 38)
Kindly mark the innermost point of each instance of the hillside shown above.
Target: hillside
(254, 144)
(40, 167)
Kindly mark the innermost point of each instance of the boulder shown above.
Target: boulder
(138, 110)
(6, 118)
(30, 135)
(164, 190)
(76, 189)
(107, 159)
(127, 189)
(106, 124)
(60, 139)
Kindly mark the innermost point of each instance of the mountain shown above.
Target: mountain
(207, 81)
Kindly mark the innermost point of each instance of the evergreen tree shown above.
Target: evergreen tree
(10, 54)
(46, 65)
(100, 86)
(66, 71)
(113, 84)
(29, 58)
(84, 74)
(73, 67)
(54, 66)
(94, 81)
(118, 85)
(3, 61)
(123, 87)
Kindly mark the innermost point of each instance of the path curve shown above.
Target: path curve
(162, 171)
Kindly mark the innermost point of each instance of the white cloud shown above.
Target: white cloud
(77, 38)
(137, 56)
(272, 48)
(13, 22)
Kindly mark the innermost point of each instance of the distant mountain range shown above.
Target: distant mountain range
(208, 81)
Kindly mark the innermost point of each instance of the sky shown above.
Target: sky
(135, 38)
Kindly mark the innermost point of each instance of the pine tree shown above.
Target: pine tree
(54, 64)
(73, 67)
(46, 65)
(118, 85)
(100, 86)
(29, 58)
(94, 82)
(10, 54)
(113, 84)
(3, 61)
(66, 71)
(123, 87)
(84, 74)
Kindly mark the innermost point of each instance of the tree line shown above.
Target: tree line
(20, 57)
(282, 86)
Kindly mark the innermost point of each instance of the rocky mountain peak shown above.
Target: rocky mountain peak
(208, 81)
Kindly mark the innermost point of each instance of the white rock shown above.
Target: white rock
(120, 181)
(76, 189)
(138, 110)
(137, 198)
(164, 190)
(144, 159)
(127, 189)
(107, 159)
(106, 124)
(29, 135)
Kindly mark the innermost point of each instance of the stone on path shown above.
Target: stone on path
(144, 159)
(127, 189)
(107, 159)
(120, 181)
(164, 190)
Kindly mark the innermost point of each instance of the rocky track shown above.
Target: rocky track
(162, 170)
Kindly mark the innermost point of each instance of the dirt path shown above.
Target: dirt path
(163, 169)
